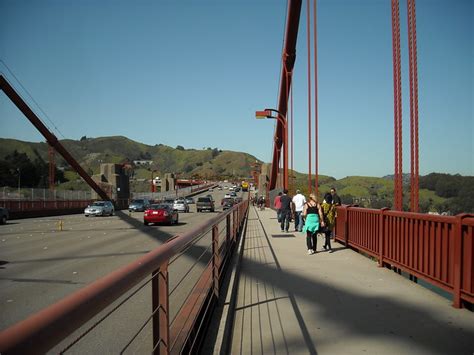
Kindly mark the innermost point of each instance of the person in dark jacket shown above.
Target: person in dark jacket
(286, 211)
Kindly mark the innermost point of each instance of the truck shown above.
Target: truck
(205, 203)
(245, 186)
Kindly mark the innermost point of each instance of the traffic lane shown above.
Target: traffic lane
(75, 258)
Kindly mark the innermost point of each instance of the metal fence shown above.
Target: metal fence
(437, 249)
(29, 194)
(175, 323)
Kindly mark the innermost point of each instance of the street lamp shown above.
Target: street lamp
(267, 113)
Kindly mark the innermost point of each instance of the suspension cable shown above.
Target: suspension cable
(308, 24)
(316, 136)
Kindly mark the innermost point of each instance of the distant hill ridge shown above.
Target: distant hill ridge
(90, 152)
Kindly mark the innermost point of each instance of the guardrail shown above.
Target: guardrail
(173, 331)
(437, 249)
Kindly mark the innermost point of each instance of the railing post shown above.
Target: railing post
(215, 259)
(160, 288)
(381, 234)
(227, 233)
(458, 262)
(346, 227)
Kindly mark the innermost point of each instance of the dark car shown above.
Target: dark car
(227, 203)
(138, 205)
(160, 213)
(3, 215)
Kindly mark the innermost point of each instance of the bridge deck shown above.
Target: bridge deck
(339, 303)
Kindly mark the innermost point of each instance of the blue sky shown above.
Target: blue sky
(192, 73)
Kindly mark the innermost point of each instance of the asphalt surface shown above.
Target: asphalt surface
(39, 265)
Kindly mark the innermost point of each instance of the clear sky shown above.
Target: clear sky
(192, 73)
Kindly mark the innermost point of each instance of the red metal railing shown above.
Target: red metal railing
(35, 205)
(172, 331)
(437, 249)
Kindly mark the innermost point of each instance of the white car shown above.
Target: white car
(100, 208)
(181, 206)
(227, 195)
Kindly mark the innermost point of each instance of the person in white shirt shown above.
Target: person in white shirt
(299, 201)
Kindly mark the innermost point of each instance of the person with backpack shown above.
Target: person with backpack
(313, 220)
(329, 213)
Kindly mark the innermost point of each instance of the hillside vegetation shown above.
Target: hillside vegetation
(438, 192)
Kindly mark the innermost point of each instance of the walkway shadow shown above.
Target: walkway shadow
(375, 318)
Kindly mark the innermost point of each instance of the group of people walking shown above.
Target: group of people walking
(310, 217)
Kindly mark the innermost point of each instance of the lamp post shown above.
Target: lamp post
(19, 187)
(267, 113)
(152, 182)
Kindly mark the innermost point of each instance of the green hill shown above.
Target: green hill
(91, 152)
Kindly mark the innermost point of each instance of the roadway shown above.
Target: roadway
(39, 264)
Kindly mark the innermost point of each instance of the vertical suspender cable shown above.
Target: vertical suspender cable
(395, 114)
(399, 92)
(308, 44)
(414, 180)
(412, 131)
(415, 91)
(398, 185)
(316, 136)
(292, 133)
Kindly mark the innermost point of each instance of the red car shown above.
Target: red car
(160, 213)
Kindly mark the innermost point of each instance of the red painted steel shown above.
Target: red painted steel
(413, 71)
(438, 249)
(316, 136)
(52, 168)
(288, 57)
(308, 48)
(39, 205)
(51, 138)
(41, 331)
(398, 180)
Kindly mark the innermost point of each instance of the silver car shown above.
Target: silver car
(100, 208)
(181, 206)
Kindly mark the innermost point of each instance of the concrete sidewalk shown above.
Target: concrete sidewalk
(290, 302)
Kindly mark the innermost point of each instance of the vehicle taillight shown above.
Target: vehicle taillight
(146, 213)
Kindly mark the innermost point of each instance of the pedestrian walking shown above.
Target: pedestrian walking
(277, 205)
(299, 201)
(329, 213)
(313, 217)
(285, 211)
(336, 200)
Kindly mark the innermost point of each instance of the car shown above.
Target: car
(227, 195)
(210, 196)
(227, 203)
(237, 189)
(169, 201)
(100, 208)
(190, 200)
(233, 194)
(4, 215)
(238, 200)
(138, 205)
(211, 189)
(180, 205)
(205, 203)
(160, 213)
(219, 188)
(231, 188)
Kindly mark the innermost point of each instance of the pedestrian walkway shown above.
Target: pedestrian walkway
(289, 302)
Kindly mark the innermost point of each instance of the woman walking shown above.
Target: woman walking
(313, 215)
(329, 211)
